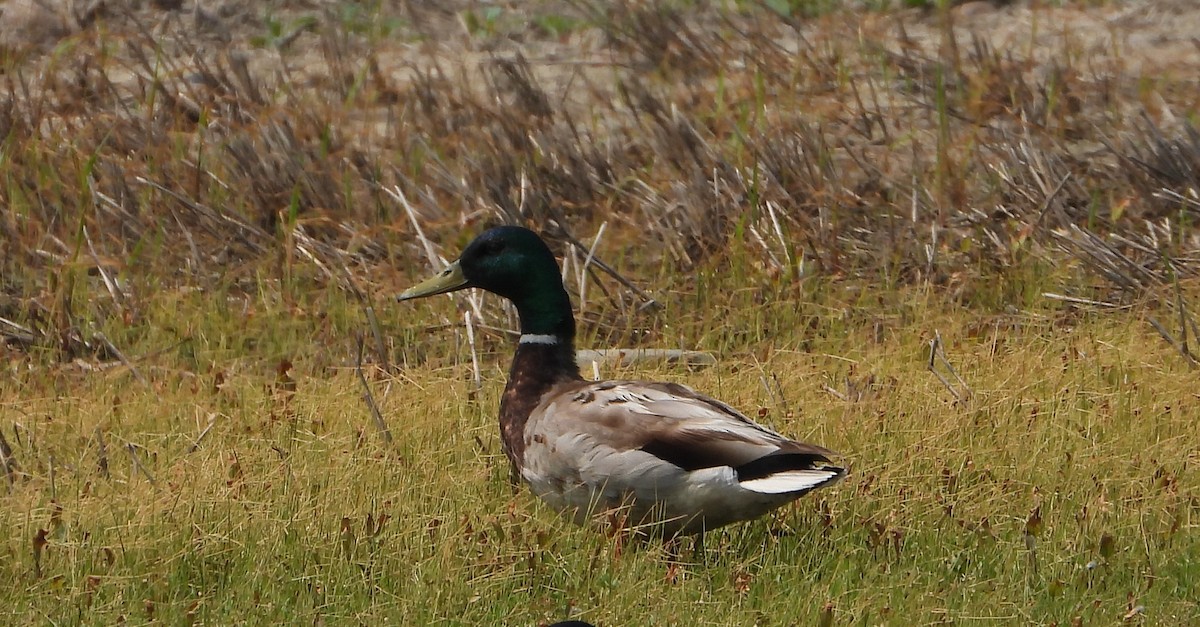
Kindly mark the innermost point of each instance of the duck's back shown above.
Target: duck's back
(672, 457)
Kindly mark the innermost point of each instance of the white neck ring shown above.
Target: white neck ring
(538, 338)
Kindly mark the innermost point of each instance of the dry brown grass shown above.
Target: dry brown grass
(200, 222)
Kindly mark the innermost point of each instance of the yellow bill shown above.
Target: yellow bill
(447, 280)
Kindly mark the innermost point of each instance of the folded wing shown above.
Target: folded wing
(693, 432)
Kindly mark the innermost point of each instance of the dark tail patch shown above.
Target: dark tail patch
(771, 464)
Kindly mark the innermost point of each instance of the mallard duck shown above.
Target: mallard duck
(660, 455)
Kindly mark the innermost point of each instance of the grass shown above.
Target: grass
(1058, 491)
(192, 245)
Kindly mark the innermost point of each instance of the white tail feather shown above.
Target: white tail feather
(793, 480)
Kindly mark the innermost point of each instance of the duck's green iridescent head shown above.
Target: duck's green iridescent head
(512, 262)
(507, 260)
